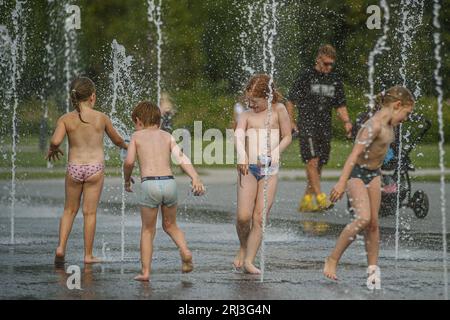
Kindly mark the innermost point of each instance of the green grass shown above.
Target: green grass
(28, 156)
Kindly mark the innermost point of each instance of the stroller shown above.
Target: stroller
(392, 191)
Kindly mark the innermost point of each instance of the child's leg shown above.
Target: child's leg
(246, 196)
(92, 190)
(148, 231)
(171, 228)
(360, 202)
(372, 234)
(71, 206)
(255, 236)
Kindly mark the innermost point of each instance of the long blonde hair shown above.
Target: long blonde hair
(395, 93)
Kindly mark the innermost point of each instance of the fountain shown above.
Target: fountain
(378, 49)
(154, 16)
(255, 26)
(409, 25)
(70, 56)
(124, 93)
(269, 40)
(5, 59)
(263, 27)
(245, 39)
(438, 79)
(49, 77)
(13, 56)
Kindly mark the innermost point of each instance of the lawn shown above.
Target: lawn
(424, 156)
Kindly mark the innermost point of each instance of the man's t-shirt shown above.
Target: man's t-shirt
(315, 94)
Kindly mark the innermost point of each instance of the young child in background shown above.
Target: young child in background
(153, 148)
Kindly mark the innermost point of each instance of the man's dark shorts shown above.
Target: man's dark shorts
(315, 147)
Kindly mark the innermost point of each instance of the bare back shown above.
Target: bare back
(153, 148)
(85, 139)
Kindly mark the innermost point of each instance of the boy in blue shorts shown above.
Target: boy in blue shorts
(153, 148)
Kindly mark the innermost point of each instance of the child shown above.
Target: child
(254, 151)
(361, 177)
(85, 129)
(153, 148)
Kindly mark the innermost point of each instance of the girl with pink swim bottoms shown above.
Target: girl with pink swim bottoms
(85, 129)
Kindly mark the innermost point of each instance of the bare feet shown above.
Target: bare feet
(142, 277)
(59, 256)
(250, 268)
(239, 259)
(186, 262)
(329, 269)
(91, 260)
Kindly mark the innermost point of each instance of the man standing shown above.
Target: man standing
(315, 93)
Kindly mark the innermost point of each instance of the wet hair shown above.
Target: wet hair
(396, 93)
(383, 99)
(258, 87)
(81, 89)
(327, 50)
(147, 112)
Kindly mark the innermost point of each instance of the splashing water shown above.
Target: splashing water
(124, 90)
(123, 93)
(154, 16)
(49, 76)
(70, 57)
(438, 79)
(380, 46)
(16, 45)
(408, 30)
(269, 39)
(255, 30)
(5, 66)
(245, 38)
(265, 22)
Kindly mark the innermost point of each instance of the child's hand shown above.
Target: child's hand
(337, 192)
(242, 169)
(348, 129)
(53, 154)
(197, 187)
(275, 160)
(128, 185)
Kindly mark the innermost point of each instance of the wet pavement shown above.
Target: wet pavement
(296, 245)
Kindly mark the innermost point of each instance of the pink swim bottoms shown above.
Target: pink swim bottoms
(81, 172)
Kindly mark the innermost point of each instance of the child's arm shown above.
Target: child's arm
(113, 134)
(285, 132)
(366, 135)
(57, 139)
(239, 137)
(128, 164)
(290, 109)
(187, 167)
